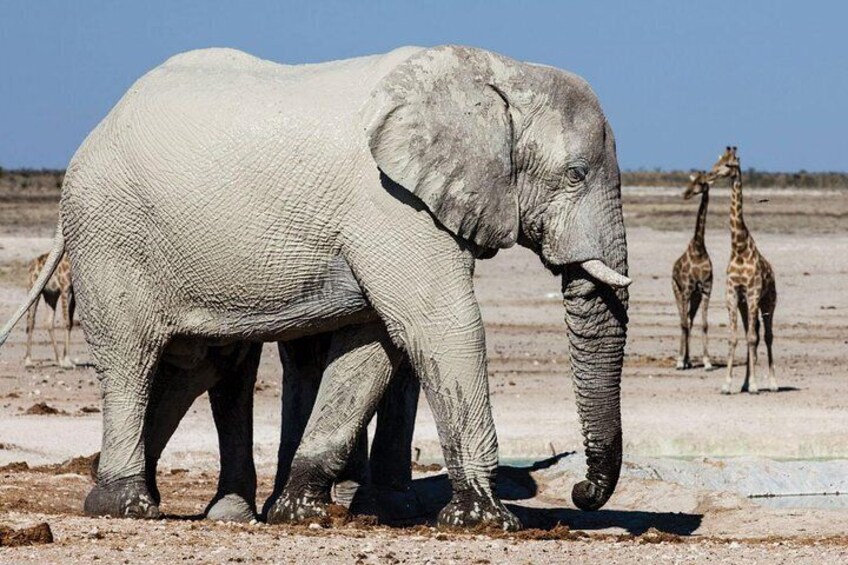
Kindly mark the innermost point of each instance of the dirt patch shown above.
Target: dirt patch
(15, 467)
(653, 535)
(40, 533)
(84, 465)
(428, 468)
(43, 409)
(649, 361)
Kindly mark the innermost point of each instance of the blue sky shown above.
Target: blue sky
(678, 80)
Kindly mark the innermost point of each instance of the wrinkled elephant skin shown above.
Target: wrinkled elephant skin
(227, 199)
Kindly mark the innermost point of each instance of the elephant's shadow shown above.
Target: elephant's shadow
(517, 483)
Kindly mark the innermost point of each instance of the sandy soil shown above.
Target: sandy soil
(691, 455)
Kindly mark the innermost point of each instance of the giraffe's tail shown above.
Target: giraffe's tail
(44, 276)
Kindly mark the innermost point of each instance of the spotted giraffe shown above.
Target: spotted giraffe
(692, 276)
(58, 288)
(750, 281)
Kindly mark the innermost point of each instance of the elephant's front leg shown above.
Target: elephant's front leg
(360, 362)
(431, 310)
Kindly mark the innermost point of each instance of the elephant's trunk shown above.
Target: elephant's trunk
(596, 316)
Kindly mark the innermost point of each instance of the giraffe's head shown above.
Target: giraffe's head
(727, 164)
(699, 183)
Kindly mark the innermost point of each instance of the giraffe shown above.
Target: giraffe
(750, 282)
(58, 288)
(692, 276)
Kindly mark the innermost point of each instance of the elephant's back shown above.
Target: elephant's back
(205, 111)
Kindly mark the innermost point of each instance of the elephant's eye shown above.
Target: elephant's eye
(575, 175)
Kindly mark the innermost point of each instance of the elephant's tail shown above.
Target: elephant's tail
(44, 276)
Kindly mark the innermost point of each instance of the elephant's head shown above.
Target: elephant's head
(504, 152)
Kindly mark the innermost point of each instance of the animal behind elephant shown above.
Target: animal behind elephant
(228, 199)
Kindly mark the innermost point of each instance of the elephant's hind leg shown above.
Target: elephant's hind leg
(303, 361)
(125, 365)
(232, 408)
(361, 362)
(391, 450)
(173, 391)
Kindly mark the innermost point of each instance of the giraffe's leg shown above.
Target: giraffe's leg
(768, 319)
(68, 306)
(694, 304)
(52, 300)
(752, 337)
(30, 328)
(732, 307)
(682, 308)
(51, 330)
(705, 326)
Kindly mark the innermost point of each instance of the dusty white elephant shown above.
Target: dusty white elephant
(228, 199)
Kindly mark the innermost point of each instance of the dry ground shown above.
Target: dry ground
(667, 415)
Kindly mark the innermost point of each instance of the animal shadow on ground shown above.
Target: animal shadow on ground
(766, 390)
(517, 483)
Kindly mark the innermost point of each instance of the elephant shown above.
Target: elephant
(230, 199)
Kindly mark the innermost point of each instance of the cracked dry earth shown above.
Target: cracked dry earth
(692, 456)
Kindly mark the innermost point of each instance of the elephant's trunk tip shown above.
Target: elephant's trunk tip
(604, 274)
(588, 496)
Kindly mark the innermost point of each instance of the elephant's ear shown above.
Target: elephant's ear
(438, 126)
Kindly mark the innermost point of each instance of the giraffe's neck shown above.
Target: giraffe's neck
(738, 231)
(701, 222)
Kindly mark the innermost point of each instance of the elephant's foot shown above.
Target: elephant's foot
(472, 510)
(231, 508)
(345, 492)
(358, 498)
(292, 508)
(395, 504)
(125, 498)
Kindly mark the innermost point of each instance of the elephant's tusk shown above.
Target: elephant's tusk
(604, 274)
